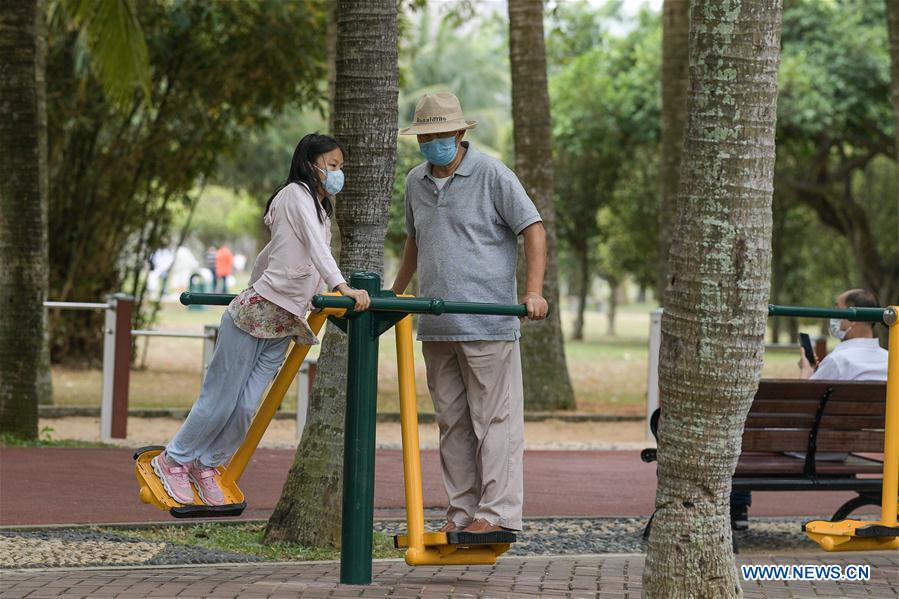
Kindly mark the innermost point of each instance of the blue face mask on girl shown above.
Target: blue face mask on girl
(333, 180)
(440, 151)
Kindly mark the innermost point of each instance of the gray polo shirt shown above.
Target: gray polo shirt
(467, 237)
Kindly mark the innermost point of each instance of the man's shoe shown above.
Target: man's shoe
(482, 526)
(174, 478)
(450, 526)
(739, 517)
(208, 488)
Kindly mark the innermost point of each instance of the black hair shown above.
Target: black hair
(862, 298)
(302, 170)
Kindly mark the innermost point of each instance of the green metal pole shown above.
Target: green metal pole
(422, 305)
(359, 441)
(856, 314)
(206, 299)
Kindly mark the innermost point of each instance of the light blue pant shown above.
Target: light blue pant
(242, 367)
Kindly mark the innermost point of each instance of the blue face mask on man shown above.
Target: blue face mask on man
(333, 180)
(440, 151)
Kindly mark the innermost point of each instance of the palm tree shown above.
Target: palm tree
(23, 212)
(713, 328)
(893, 26)
(675, 82)
(118, 53)
(365, 121)
(546, 381)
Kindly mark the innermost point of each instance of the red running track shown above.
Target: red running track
(41, 486)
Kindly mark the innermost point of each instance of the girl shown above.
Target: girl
(259, 322)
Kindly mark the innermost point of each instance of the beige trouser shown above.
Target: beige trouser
(478, 398)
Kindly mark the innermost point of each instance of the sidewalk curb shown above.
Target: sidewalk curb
(51, 412)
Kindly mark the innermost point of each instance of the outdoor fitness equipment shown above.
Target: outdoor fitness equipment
(151, 489)
(860, 535)
(363, 329)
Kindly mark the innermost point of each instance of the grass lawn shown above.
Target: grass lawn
(246, 539)
(608, 372)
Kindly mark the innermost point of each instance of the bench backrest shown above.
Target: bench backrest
(783, 414)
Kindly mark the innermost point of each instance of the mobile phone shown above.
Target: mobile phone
(806, 343)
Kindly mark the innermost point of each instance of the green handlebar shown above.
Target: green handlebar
(421, 305)
(206, 299)
(411, 305)
(884, 315)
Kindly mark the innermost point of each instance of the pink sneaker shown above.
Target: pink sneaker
(174, 478)
(203, 479)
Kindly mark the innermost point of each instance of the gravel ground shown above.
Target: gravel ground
(81, 548)
(557, 536)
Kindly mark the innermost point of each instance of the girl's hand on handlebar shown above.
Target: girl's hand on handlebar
(363, 301)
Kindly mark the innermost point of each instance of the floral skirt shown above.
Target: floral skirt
(255, 315)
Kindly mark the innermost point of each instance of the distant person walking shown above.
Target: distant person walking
(224, 265)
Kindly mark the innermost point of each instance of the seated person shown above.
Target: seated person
(858, 357)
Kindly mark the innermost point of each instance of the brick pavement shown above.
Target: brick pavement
(594, 577)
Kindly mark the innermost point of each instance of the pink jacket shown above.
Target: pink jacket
(297, 261)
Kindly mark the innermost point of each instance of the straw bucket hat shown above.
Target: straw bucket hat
(438, 113)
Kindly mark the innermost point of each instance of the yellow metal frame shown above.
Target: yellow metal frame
(151, 489)
(842, 536)
(424, 548)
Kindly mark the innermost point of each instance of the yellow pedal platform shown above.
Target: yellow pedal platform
(153, 492)
(852, 535)
(442, 548)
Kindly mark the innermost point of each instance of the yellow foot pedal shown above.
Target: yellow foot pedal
(153, 492)
(467, 539)
(852, 535)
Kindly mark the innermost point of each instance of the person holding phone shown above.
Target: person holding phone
(859, 356)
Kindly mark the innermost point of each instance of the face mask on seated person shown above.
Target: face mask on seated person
(835, 329)
(440, 151)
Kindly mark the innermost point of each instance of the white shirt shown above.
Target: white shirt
(854, 360)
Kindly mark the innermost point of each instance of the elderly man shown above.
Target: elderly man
(464, 213)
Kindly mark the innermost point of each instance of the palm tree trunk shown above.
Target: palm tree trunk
(365, 122)
(890, 293)
(546, 382)
(23, 214)
(675, 83)
(713, 328)
(893, 26)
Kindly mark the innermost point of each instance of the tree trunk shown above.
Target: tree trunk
(547, 385)
(890, 295)
(332, 90)
(713, 328)
(583, 290)
(778, 264)
(365, 122)
(23, 214)
(893, 28)
(675, 83)
(614, 286)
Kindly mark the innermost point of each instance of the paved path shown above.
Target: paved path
(596, 577)
(65, 486)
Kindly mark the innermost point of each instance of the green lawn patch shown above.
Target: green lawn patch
(247, 539)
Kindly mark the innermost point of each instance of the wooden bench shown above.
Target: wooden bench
(811, 418)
